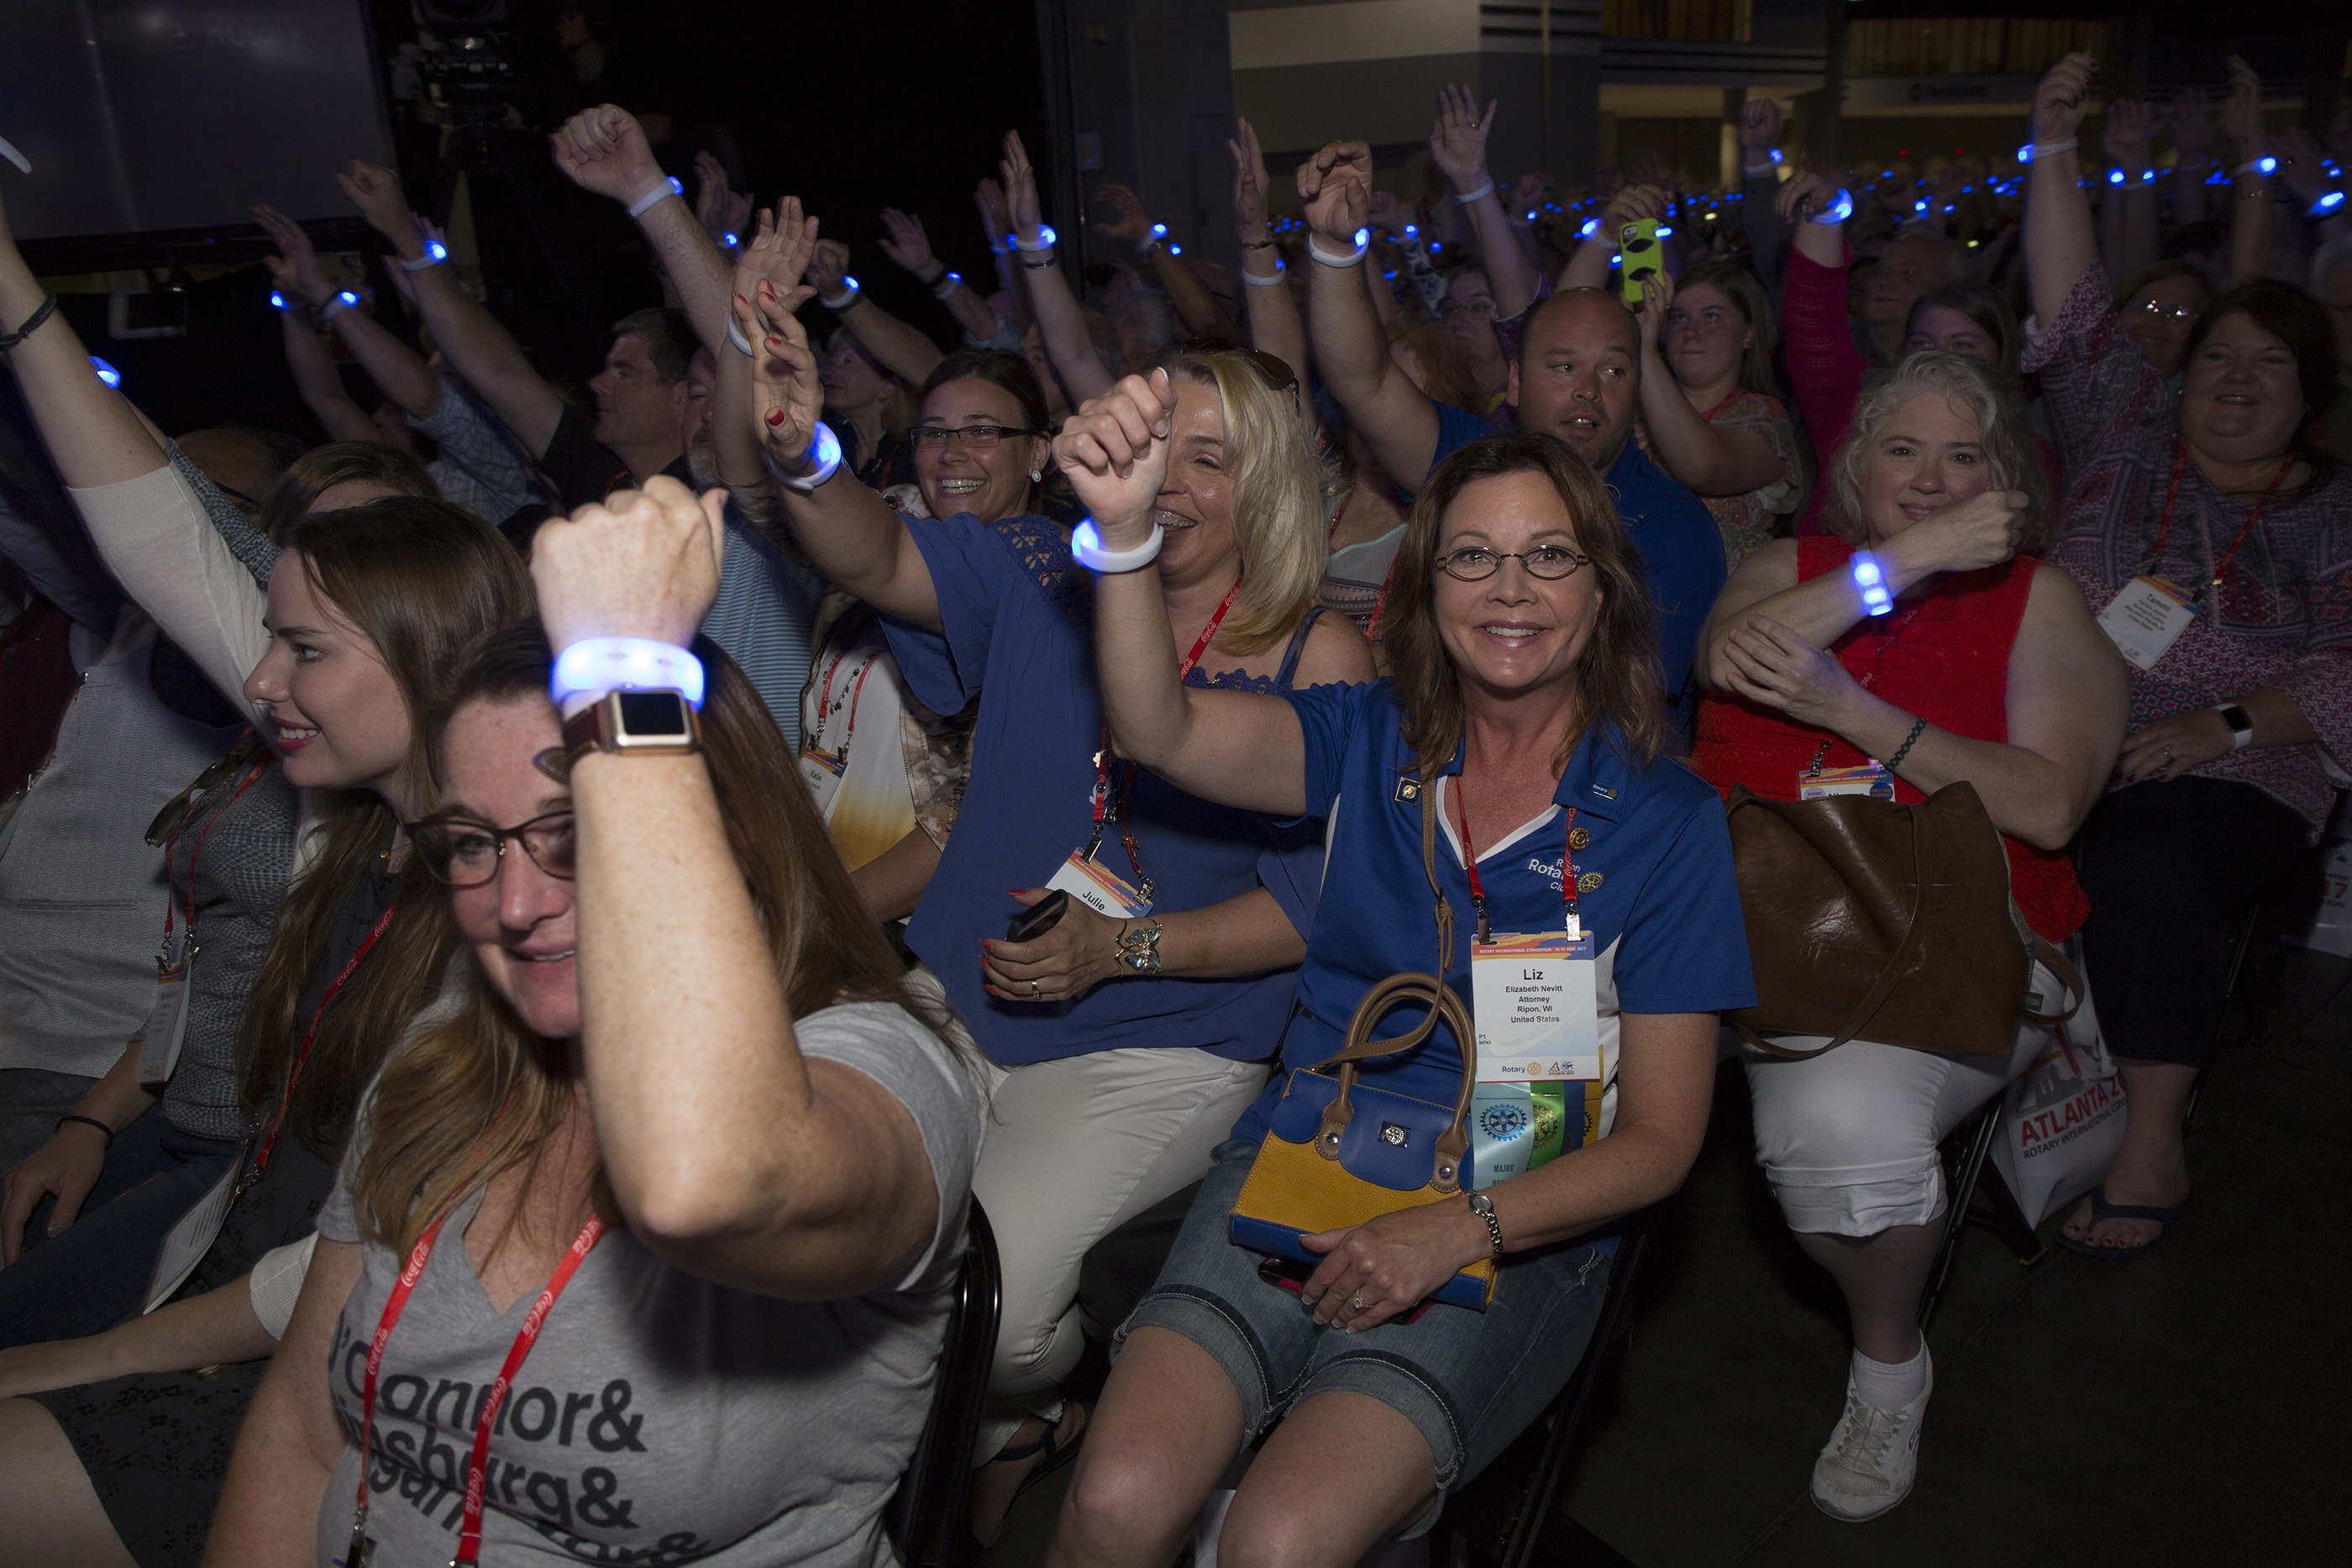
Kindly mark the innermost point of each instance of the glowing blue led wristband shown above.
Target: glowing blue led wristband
(1870, 579)
(1364, 243)
(1086, 549)
(655, 196)
(435, 253)
(826, 447)
(1838, 211)
(595, 665)
(1045, 240)
(342, 301)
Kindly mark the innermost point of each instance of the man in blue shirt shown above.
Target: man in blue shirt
(1577, 377)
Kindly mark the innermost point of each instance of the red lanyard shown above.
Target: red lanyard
(1126, 784)
(469, 1532)
(824, 701)
(2172, 495)
(286, 1102)
(211, 822)
(1470, 861)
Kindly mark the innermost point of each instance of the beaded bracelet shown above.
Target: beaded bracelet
(1917, 729)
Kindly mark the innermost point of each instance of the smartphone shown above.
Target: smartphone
(1638, 241)
(1028, 924)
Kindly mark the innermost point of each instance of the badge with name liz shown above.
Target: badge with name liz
(2147, 618)
(165, 1027)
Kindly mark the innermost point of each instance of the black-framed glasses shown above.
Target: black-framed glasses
(973, 435)
(1477, 563)
(465, 852)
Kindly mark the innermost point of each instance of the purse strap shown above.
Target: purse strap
(1883, 986)
(1445, 911)
(1431, 991)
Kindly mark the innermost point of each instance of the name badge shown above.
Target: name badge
(165, 1027)
(2145, 619)
(1099, 888)
(1869, 779)
(1536, 1014)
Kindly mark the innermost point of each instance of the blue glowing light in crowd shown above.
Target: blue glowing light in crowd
(1666, 231)
(732, 241)
(1591, 227)
(2325, 205)
(1775, 154)
(849, 283)
(1413, 231)
(1045, 235)
(1363, 238)
(2266, 164)
(954, 277)
(1838, 211)
(1175, 249)
(348, 297)
(1160, 231)
(1871, 581)
(2114, 177)
(278, 299)
(678, 185)
(439, 252)
(106, 372)
(2025, 152)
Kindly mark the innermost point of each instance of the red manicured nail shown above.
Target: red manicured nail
(1015, 891)
(775, 416)
(741, 300)
(775, 343)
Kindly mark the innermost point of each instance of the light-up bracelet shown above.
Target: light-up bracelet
(655, 196)
(826, 447)
(2033, 149)
(1268, 281)
(595, 665)
(846, 298)
(1044, 237)
(2325, 205)
(1869, 579)
(2264, 165)
(735, 336)
(1364, 243)
(1087, 549)
(1152, 241)
(342, 301)
(435, 253)
(948, 282)
(1840, 209)
(1486, 189)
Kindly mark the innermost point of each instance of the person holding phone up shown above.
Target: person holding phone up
(1524, 699)
(1106, 1098)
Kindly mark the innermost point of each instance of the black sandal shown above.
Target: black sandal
(2102, 1210)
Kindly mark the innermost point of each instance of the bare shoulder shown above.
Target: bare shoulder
(1335, 651)
(2054, 602)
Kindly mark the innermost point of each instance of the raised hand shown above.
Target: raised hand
(644, 563)
(1336, 184)
(1759, 125)
(2302, 164)
(296, 265)
(1021, 189)
(905, 243)
(1657, 299)
(2192, 125)
(1125, 217)
(787, 386)
(1631, 204)
(1527, 195)
(375, 191)
(720, 210)
(828, 265)
(1251, 184)
(1964, 536)
(1387, 214)
(1115, 450)
(2242, 115)
(2125, 132)
(989, 197)
(1457, 142)
(1807, 193)
(2062, 97)
(604, 150)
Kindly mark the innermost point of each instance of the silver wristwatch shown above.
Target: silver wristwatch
(2241, 723)
(1483, 1207)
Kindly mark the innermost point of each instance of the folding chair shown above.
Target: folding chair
(925, 1519)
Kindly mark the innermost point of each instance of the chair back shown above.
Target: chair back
(925, 1517)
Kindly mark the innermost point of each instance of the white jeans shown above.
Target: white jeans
(1076, 1148)
(1848, 1138)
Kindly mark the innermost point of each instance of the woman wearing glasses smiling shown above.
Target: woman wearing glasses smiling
(1106, 1097)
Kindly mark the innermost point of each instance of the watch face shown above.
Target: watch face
(653, 716)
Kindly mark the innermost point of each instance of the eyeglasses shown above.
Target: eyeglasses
(2152, 310)
(978, 437)
(464, 852)
(1476, 564)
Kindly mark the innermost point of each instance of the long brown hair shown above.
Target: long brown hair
(1617, 676)
(477, 1092)
(322, 468)
(423, 579)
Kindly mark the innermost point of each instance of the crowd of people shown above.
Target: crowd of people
(1227, 644)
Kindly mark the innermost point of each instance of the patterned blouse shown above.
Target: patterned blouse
(1753, 519)
(2282, 616)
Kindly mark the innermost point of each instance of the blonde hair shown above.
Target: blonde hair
(2001, 430)
(1277, 497)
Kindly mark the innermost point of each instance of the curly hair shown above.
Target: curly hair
(1985, 392)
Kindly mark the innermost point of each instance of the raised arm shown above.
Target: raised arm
(1195, 307)
(2192, 144)
(1706, 459)
(850, 533)
(1587, 266)
(400, 370)
(315, 379)
(478, 349)
(896, 347)
(1275, 325)
(604, 150)
(2124, 136)
(1237, 748)
(905, 242)
(1393, 415)
(2251, 222)
(776, 249)
(731, 1156)
(988, 198)
(1961, 537)
(2059, 243)
(94, 437)
(1061, 322)
(1768, 233)
(1457, 143)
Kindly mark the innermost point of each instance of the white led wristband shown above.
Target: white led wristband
(826, 448)
(1268, 281)
(595, 665)
(1086, 549)
(655, 196)
(1364, 243)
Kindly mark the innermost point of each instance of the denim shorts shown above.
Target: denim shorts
(1469, 1382)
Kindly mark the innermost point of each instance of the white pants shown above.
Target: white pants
(1076, 1148)
(1848, 1138)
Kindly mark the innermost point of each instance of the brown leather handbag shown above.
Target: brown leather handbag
(1871, 920)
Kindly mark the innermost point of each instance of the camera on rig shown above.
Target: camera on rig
(469, 70)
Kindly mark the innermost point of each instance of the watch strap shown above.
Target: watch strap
(602, 725)
(2241, 723)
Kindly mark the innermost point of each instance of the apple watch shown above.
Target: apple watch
(2241, 723)
(649, 724)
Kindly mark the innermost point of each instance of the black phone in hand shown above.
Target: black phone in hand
(1028, 924)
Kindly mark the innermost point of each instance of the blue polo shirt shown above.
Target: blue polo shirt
(1018, 635)
(1667, 931)
(1681, 548)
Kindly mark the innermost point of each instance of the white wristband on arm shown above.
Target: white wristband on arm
(824, 449)
(2051, 149)
(735, 336)
(1485, 188)
(1364, 243)
(1086, 549)
(1268, 281)
(654, 195)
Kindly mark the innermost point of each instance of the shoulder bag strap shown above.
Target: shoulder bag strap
(1444, 912)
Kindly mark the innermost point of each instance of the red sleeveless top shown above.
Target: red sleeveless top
(1945, 660)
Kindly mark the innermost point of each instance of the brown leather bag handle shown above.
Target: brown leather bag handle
(1883, 986)
(1454, 1144)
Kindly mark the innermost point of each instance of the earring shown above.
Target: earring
(1036, 475)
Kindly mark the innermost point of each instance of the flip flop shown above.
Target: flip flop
(2102, 1210)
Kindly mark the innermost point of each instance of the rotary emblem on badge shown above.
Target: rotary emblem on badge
(1546, 1122)
(1503, 1121)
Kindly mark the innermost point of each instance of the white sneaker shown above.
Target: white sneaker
(1872, 1457)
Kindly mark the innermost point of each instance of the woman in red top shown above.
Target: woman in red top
(1986, 668)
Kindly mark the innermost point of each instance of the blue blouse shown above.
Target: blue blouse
(1018, 633)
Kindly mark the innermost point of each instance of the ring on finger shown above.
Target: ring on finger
(1356, 1301)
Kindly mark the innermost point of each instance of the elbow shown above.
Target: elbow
(688, 1203)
